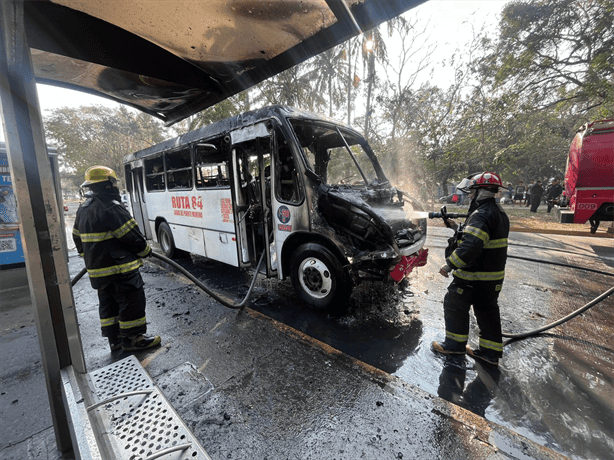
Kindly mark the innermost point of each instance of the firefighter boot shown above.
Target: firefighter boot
(448, 348)
(140, 342)
(115, 343)
(483, 356)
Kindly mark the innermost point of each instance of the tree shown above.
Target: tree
(291, 87)
(532, 145)
(99, 135)
(352, 80)
(373, 48)
(329, 71)
(559, 50)
(234, 105)
(413, 59)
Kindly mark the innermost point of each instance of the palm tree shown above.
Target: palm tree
(291, 87)
(328, 70)
(373, 50)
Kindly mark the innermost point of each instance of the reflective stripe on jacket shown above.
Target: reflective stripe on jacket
(482, 250)
(109, 240)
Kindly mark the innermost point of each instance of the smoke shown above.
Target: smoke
(404, 167)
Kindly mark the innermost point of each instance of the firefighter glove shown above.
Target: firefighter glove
(445, 270)
(450, 224)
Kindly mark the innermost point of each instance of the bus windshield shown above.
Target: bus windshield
(336, 155)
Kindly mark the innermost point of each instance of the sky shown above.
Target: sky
(451, 23)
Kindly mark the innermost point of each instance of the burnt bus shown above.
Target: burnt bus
(303, 192)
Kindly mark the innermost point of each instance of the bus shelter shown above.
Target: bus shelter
(169, 59)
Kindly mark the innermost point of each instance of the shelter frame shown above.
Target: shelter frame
(41, 222)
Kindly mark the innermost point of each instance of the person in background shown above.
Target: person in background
(519, 192)
(528, 194)
(510, 193)
(112, 246)
(553, 192)
(476, 255)
(536, 195)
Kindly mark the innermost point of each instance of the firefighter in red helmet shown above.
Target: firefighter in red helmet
(112, 246)
(476, 258)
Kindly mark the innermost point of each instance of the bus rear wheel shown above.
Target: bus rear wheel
(167, 242)
(319, 278)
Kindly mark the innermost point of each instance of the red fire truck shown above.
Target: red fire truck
(589, 179)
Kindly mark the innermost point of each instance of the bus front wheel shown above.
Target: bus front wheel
(167, 242)
(319, 278)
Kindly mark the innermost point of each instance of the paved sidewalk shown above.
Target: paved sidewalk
(25, 418)
(261, 389)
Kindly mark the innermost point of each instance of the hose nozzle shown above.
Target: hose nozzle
(444, 214)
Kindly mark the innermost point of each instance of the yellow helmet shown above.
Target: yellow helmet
(97, 174)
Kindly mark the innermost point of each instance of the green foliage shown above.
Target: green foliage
(292, 87)
(559, 51)
(98, 135)
(232, 106)
(514, 105)
(328, 75)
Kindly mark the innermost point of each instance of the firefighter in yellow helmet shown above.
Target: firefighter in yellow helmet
(110, 242)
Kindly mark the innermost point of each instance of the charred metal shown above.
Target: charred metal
(374, 224)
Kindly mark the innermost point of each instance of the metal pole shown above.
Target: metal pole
(43, 236)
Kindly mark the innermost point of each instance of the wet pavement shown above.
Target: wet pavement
(278, 380)
(24, 404)
(555, 389)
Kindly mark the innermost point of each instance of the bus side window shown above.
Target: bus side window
(179, 169)
(287, 183)
(154, 173)
(211, 164)
(212, 175)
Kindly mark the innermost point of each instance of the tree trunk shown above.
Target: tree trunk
(370, 78)
(350, 81)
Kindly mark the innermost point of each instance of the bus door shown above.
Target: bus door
(134, 177)
(251, 175)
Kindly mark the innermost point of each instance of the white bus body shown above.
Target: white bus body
(307, 192)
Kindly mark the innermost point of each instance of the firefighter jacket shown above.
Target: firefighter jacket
(108, 239)
(481, 247)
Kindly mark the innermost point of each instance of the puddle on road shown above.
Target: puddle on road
(540, 392)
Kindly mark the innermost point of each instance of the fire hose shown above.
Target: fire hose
(575, 313)
(592, 303)
(521, 335)
(227, 302)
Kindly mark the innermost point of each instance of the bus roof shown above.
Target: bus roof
(230, 124)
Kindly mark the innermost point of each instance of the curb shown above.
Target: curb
(562, 232)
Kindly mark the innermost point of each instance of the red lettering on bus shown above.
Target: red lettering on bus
(226, 208)
(187, 202)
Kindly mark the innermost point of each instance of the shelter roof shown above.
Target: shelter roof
(174, 58)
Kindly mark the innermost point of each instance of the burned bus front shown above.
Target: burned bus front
(379, 229)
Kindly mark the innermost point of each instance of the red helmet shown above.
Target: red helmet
(484, 180)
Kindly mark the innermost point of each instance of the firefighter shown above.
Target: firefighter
(110, 242)
(476, 257)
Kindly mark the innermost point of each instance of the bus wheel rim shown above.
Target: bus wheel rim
(165, 242)
(315, 277)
